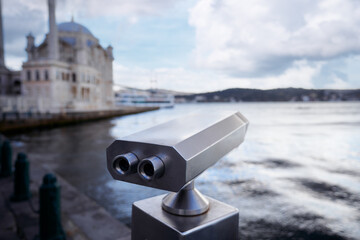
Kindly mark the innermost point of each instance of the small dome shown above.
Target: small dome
(72, 27)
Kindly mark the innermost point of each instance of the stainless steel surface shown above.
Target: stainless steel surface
(187, 146)
(150, 222)
(125, 163)
(151, 168)
(187, 202)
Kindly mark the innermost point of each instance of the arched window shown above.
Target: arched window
(37, 75)
(74, 77)
(46, 75)
(28, 75)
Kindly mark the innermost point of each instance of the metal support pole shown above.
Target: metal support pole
(6, 157)
(151, 222)
(186, 214)
(50, 212)
(22, 179)
(187, 202)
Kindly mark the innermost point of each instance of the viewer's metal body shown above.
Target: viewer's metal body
(170, 156)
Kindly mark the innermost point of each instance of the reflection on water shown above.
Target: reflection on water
(297, 175)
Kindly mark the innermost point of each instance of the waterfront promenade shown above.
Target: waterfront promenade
(82, 218)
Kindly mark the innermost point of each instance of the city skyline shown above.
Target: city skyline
(197, 46)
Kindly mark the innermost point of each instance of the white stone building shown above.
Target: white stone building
(69, 70)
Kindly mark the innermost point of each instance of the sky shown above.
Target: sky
(207, 45)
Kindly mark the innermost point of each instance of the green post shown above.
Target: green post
(6, 156)
(1, 143)
(50, 213)
(21, 180)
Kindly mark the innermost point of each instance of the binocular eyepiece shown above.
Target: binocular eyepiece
(125, 163)
(170, 155)
(148, 168)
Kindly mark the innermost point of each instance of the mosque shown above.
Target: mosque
(68, 71)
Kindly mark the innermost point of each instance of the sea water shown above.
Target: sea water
(297, 174)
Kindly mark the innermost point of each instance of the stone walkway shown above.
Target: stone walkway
(82, 218)
(7, 220)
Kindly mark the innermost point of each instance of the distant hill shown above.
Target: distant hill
(273, 95)
(166, 91)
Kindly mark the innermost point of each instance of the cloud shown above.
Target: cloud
(14, 63)
(117, 8)
(299, 74)
(338, 83)
(237, 43)
(177, 78)
(19, 19)
(261, 37)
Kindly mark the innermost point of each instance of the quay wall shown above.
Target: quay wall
(15, 122)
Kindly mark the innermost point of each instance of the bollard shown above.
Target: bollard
(1, 144)
(6, 156)
(50, 213)
(21, 180)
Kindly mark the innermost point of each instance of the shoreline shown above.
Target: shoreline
(21, 124)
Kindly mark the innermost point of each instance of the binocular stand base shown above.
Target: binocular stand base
(151, 222)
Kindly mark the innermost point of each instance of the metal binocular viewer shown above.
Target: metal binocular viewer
(170, 156)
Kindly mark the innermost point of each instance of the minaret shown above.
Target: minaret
(30, 46)
(53, 41)
(109, 51)
(2, 60)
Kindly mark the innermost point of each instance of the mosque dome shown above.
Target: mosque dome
(72, 27)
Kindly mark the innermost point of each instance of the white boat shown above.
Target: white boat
(139, 98)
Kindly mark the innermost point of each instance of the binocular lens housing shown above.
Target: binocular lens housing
(125, 163)
(172, 154)
(148, 168)
(151, 168)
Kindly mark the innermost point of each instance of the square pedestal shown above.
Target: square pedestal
(150, 222)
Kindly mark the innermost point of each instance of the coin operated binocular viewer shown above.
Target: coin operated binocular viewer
(169, 157)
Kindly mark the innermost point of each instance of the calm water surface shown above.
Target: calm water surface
(297, 175)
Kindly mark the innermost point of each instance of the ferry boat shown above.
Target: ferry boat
(143, 98)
